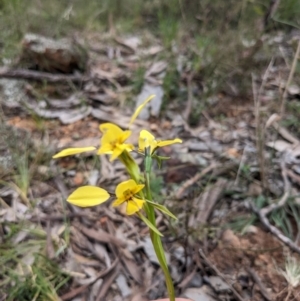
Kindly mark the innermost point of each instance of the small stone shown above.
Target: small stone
(203, 293)
(230, 239)
(78, 179)
(43, 170)
(251, 229)
(123, 286)
(93, 177)
(218, 284)
(196, 281)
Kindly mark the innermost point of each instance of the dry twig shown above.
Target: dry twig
(287, 186)
(62, 217)
(215, 269)
(262, 213)
(260, 133)
(285, 133)
(261, 286)
(264, 220)
(290, 78)
(40, 76)
(189, 104)
(194, 179)
(208, 199)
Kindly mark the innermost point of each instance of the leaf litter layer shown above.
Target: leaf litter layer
(238, 218)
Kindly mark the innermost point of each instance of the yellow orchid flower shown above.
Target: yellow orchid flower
(126, 192)
(147, 140)
(112, 141)
(88, 196)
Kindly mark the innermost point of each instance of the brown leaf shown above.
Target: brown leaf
(74, 292)
(133, 269)
(209, 199)
(101, 236)
(139, 297)
(49, 244)
(107, 282)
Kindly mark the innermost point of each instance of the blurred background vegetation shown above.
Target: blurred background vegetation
(213, 32)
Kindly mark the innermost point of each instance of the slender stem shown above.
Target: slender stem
(131, 166)
(156, 240)
(134, 172)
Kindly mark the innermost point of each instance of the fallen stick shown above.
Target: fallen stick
(287, 187)
(262, 213)
(40, 76)
(264, 220)
(194, 179)
(261, 286)
(61, 217)
(215, 269)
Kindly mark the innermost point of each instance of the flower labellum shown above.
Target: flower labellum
(126, 192)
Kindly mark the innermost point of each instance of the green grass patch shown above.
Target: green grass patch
(25, 270)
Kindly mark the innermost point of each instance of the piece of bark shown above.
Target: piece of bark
(207, 200)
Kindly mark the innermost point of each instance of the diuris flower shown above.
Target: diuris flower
(112, 141)
(88, 196)
(126, 192)
(148, 141)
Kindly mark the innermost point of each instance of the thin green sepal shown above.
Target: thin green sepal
(162, 209)
(148, 223)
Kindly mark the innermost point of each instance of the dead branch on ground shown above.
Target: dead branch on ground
(40, 76)
(289, 81)
(263, 213)
(215, 269)
(261, 286)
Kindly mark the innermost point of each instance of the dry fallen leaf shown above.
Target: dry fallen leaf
(101, 236)
(134, 270)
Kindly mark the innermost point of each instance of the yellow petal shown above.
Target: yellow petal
(168, 142)
(134, 206)
(125, 135)
(118, 201)
(114, 136)
(73, 151)
(146, 139)
(111, 133)
(137, 188)
(123, 186)
(140, 108)
(117, 151)
(87, 196)
(105, 149)
(105, 127)
(128, 147)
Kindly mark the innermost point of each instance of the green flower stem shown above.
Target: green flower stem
(156, 240)
(131, 166)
